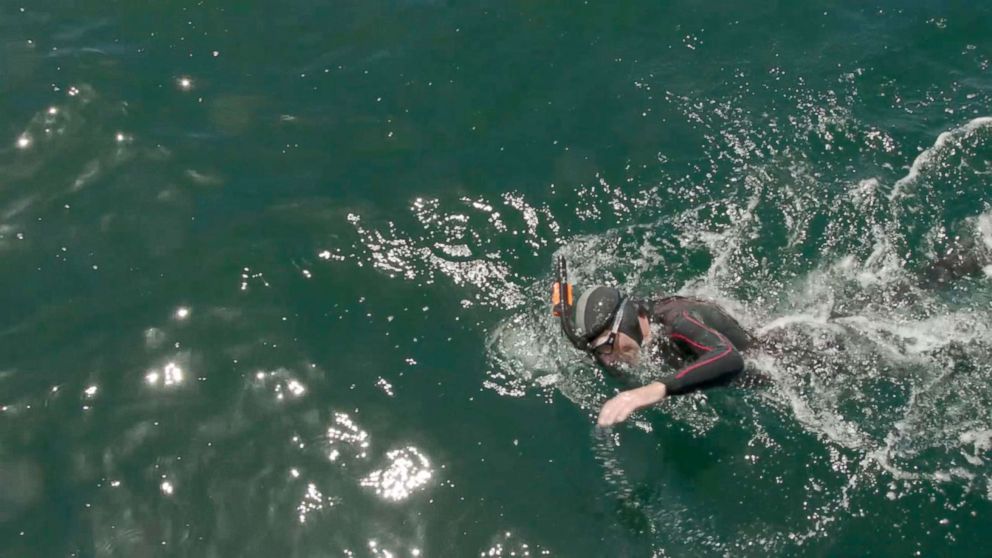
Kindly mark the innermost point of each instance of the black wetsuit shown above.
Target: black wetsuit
(701, 341)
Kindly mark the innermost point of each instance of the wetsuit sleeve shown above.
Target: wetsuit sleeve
(716, 358)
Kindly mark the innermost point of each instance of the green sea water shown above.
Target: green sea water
(274, 276)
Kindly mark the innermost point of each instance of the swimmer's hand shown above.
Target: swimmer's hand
(617, 409)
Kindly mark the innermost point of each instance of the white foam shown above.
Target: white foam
(924, 158)
(782, 322)
(984, 225)
(982, 439)
(864, 190)
(918, 336)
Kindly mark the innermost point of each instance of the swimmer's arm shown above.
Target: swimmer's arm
(716, 358)
(618, 408)
(713, 367)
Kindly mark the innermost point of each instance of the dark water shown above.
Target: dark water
(273, 276)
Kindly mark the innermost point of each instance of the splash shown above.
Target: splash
(809, 224)
(888, 371)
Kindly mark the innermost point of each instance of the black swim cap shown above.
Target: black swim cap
(596, 308)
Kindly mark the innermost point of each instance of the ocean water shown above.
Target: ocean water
(274, 276)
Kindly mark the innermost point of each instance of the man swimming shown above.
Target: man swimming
(697, 338)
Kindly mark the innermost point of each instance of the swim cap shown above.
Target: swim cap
(596, 308)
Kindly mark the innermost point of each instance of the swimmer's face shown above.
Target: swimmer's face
(624, 351)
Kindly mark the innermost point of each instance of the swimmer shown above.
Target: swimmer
(696, 338)
(701, 341)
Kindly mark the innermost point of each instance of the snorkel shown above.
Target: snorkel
(562, 305)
